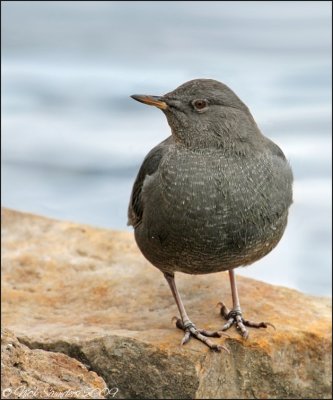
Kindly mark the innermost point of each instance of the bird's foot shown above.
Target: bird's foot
(201, 334)
(235, 317)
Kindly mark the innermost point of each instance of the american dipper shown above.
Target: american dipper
(211, 197)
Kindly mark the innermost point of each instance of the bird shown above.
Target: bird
(211, 197)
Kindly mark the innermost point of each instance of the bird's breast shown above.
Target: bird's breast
(213, 207)
(211, 189)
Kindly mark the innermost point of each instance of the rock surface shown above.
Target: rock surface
(90, 294)
(27, 374)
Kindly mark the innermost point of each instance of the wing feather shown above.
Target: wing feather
(149, 167)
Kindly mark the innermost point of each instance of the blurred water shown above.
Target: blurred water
(73, 139)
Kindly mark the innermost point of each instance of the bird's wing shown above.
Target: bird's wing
(274, 148)
(149, 166)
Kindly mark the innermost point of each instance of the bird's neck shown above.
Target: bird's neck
(228, 135)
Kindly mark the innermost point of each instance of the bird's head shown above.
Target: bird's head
(204, 113)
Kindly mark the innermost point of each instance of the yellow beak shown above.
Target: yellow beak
(150, 100)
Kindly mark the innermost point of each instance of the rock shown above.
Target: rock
(27, 374)
(90, 294)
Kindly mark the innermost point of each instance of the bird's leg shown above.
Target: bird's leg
(235, 315)
(187, 325)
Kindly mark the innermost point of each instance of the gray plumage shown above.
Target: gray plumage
(215, 194)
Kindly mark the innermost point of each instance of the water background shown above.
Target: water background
(73, 140)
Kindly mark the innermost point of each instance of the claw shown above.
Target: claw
(223, 348)
(200, 334)
(224, 309)
(186, 338)
(241, 327)
(216, 347)
(219, 347)
(235, 317)
(269, 324)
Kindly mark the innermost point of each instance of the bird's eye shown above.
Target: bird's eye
(200, 104)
